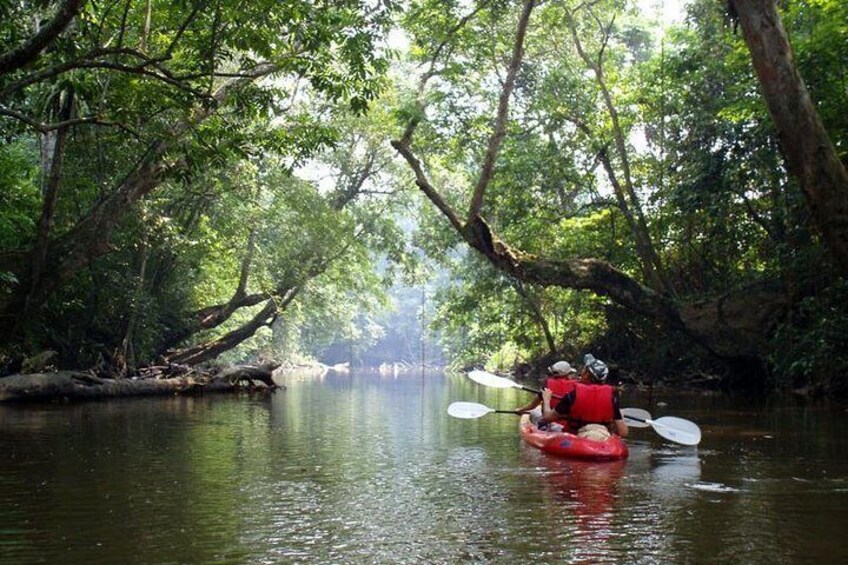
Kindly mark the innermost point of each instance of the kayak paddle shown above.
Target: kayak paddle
(472, 410)
(671, 428)
(494, 381)
(636, 417)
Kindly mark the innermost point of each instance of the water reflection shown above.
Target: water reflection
(675, 470)
(587, 488)
(356, 468)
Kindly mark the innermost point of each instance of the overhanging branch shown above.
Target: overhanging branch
(496, 140)
(27, 52)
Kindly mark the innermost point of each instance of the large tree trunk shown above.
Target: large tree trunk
(809, 152)
(733, 326)
(89, 239)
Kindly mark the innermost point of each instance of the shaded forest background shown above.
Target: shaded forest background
(196, 181)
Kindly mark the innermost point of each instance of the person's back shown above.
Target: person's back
(592, 404)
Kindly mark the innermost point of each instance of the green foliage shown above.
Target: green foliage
(545, 197)
(20, 195)
(292, 173)
(323, 235)
(718, 172)
(701, 154)
(819, 29)
(812, 351)
(227, 165)
(483, 318)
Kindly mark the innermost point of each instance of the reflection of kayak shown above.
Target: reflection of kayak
(587, 487)
(569, 445)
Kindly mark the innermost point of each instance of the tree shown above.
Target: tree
(170, 91)
(733, 325)
(810, 154)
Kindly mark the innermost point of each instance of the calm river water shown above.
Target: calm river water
(365, 468)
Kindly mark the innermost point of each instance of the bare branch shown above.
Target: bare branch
(625, 191)
(44, 128)
(123, 28)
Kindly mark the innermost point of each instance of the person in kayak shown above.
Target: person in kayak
(561, 380)
(591, 407)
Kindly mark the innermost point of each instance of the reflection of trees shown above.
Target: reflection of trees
(156, 469)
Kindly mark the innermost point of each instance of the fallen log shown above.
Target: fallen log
(249, 374)
(79, 385)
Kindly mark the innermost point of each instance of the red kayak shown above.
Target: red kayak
(568, 445)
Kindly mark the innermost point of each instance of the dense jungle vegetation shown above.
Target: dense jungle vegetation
(190, 180)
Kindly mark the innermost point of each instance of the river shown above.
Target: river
(363, 468)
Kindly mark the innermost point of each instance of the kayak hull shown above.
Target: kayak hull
(571, 446)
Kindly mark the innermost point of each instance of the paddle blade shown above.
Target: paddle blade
(677, 430)
(468, 410)
(488, 379)
(636, 417)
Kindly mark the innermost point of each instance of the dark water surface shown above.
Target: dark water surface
(370, 469)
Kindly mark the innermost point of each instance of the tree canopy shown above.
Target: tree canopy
(183, 180)
(718, 199)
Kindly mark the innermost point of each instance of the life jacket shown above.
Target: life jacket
(559, 387)
(593, 404)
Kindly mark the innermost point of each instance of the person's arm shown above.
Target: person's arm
(562, 407)
(620, 427)
(537, 400)
(547, 412)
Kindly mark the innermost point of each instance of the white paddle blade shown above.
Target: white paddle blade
(488, 379)
(678, 430)
(468, 410)
(636, 417)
